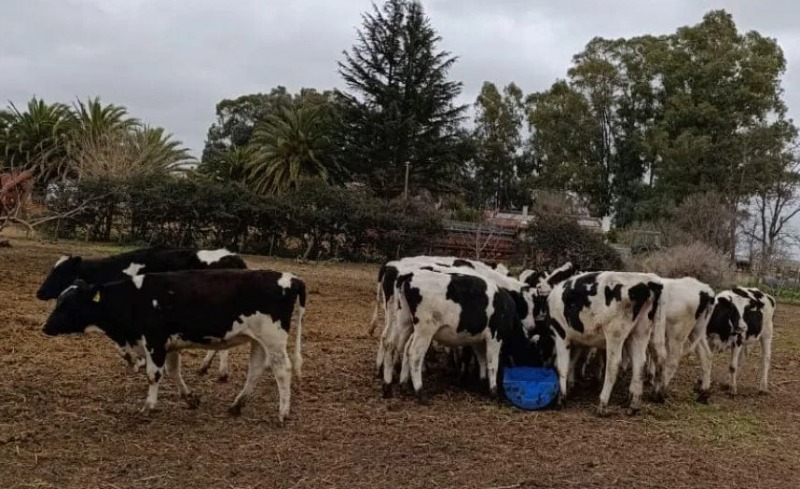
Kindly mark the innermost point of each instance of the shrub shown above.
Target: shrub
(553, 240)
(315, 220)
(697, 260)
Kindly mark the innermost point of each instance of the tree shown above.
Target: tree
(290, 147)
(36, 139)
(498, 138)
(563, 143)
(399, 105)
(649, 121)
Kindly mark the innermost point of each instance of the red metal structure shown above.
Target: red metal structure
(15, 189)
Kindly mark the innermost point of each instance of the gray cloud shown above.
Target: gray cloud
(171, 62)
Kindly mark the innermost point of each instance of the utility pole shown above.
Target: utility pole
(405, 188)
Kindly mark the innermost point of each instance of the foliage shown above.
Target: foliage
(697, 260)
(291, 146)
(270, 142)
(498, 140)
(555, 239)
(60, 143)
(329, 221)
(399, 106)
(645, 122)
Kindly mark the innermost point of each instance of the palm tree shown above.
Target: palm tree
(291, 146)
(233, 164)
(37, 138)
(159, 150)
(93, 119)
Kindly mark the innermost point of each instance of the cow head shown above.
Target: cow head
(74, 311)
(61, 276)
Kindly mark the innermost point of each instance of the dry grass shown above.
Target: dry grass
(67, 414)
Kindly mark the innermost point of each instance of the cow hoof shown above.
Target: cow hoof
(493, 393)
(660, 397)
(192, 400)
(387, 391)
(633, 411)
(703, 396)
(235, 410)
(763, 392)
(601, 411)
(222, 378)
(202, 370)
(422, 398)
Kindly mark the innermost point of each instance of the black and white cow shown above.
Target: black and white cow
(157, 315)
(129, 264)
(544, 281)
(605, 310)
(462, 356)
(686, 305)
(743, 316)
(455, 309)
(387, 281)
(387, 275)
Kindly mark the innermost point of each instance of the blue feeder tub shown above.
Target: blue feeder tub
(530, 388)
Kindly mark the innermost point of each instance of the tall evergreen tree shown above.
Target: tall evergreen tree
(399, 105)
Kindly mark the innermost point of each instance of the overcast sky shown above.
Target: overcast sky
(171, 61)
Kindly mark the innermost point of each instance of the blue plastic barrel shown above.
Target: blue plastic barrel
(530, 388)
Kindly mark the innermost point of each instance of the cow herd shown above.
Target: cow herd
(563, 318)
(154, 302)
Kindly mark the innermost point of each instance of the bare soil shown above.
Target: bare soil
(68, 413)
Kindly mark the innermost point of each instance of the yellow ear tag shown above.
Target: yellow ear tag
(96, 297)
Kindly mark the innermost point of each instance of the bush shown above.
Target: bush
(697, 260)
(315, 221)
(553, 240)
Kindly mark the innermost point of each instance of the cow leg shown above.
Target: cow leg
(736, 353)
(480, 352)
(222, 375)
(405, 368)
(282, 370)
(174, 370)
(766, 357)
(638, 353)
(155, 359)
(416, 354)
(492, 364)
(206, 364)
(704, 357)
(396, 342)
(562, 367)
(258, 360)
(613, 359)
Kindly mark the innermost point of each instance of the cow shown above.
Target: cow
(157, 315)
(742, 316)
(520, 293)
(69, 268)
(455, 309)
(605, 310)
(686, 305)
(544, 281)
(388, 273)
(387, 277)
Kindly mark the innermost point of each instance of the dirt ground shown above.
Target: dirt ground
(68, 413)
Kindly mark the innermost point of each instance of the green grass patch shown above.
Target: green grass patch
(712, 424)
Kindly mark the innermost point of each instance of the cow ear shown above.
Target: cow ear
(80, 284)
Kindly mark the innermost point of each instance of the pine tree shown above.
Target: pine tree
(399, 105)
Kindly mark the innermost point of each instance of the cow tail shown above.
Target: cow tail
(297, 362)
(658, 316)
(378, 300)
